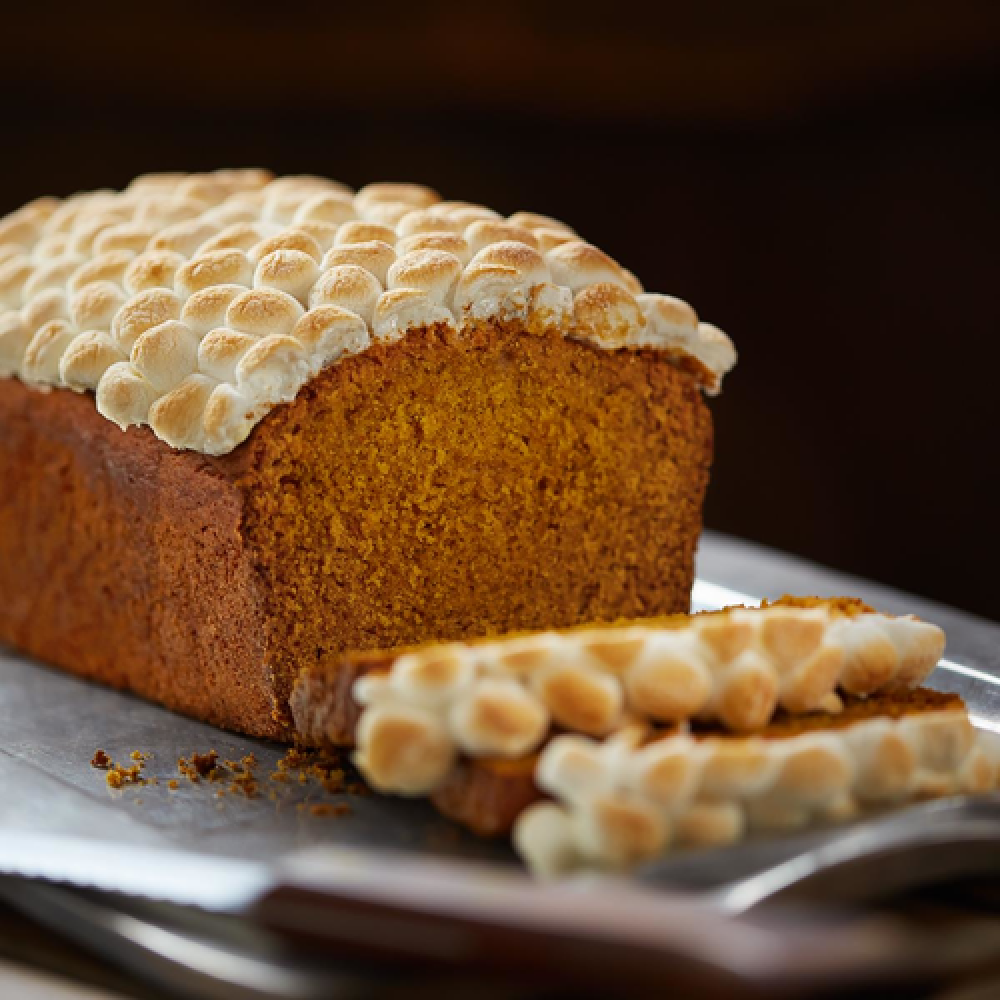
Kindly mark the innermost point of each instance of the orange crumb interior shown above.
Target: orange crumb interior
(451, 487)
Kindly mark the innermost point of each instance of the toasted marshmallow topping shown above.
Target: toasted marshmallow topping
(625, 801)
(109, 267)
(736, 668)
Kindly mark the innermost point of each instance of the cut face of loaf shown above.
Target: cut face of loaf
(425, 708)
(442, 486)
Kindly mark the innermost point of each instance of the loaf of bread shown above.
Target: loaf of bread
(250, 424)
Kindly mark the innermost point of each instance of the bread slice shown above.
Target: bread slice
(247, 424)
(603, 724)
(503, 697)
(641, 793)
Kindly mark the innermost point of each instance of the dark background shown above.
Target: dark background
(819, 179)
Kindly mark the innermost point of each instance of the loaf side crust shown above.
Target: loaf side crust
(123, 561)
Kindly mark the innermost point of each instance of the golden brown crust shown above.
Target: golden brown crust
(113, 553)
(487, 796)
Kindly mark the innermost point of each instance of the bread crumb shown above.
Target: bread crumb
(329, 770)
(119, 775)
(237, 774)
(329, 809)
(204, 763)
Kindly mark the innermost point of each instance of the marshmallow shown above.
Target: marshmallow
(324, 233)
(166, 354)
(497, 718)
(486, 231)
(207, 309)
(19, 231)
(221, 351)
(228, 419)
(328, 332)
(290, 271)
(124, 396)
(141, 313)
(578, 265)
(535, 222)
(125, 237)
(13, 276)
(217, 267)
(579, 698)
(287, 239)
(87, 358)
(358, 231)
(44, 352)
(273, 369)
(167, 210)
(447, 242)
(239, 236)
(105, 267)
(263, 311)
(94, 306)
(45, 307)
(153, 269)
(177, 416)
(414, 195)
(406, 750)
(434, 272)
(607, 315)
(403, 309)
(332, 207)
(373, 256)
(350, 287)
(429, 220)
(668, 682)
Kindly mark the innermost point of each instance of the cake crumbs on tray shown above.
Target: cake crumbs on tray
(239, 777)
(198, 765)
(327, 769)
(118, 776)
(327, 808)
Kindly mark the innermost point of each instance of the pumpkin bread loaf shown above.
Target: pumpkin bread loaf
(248, 424)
